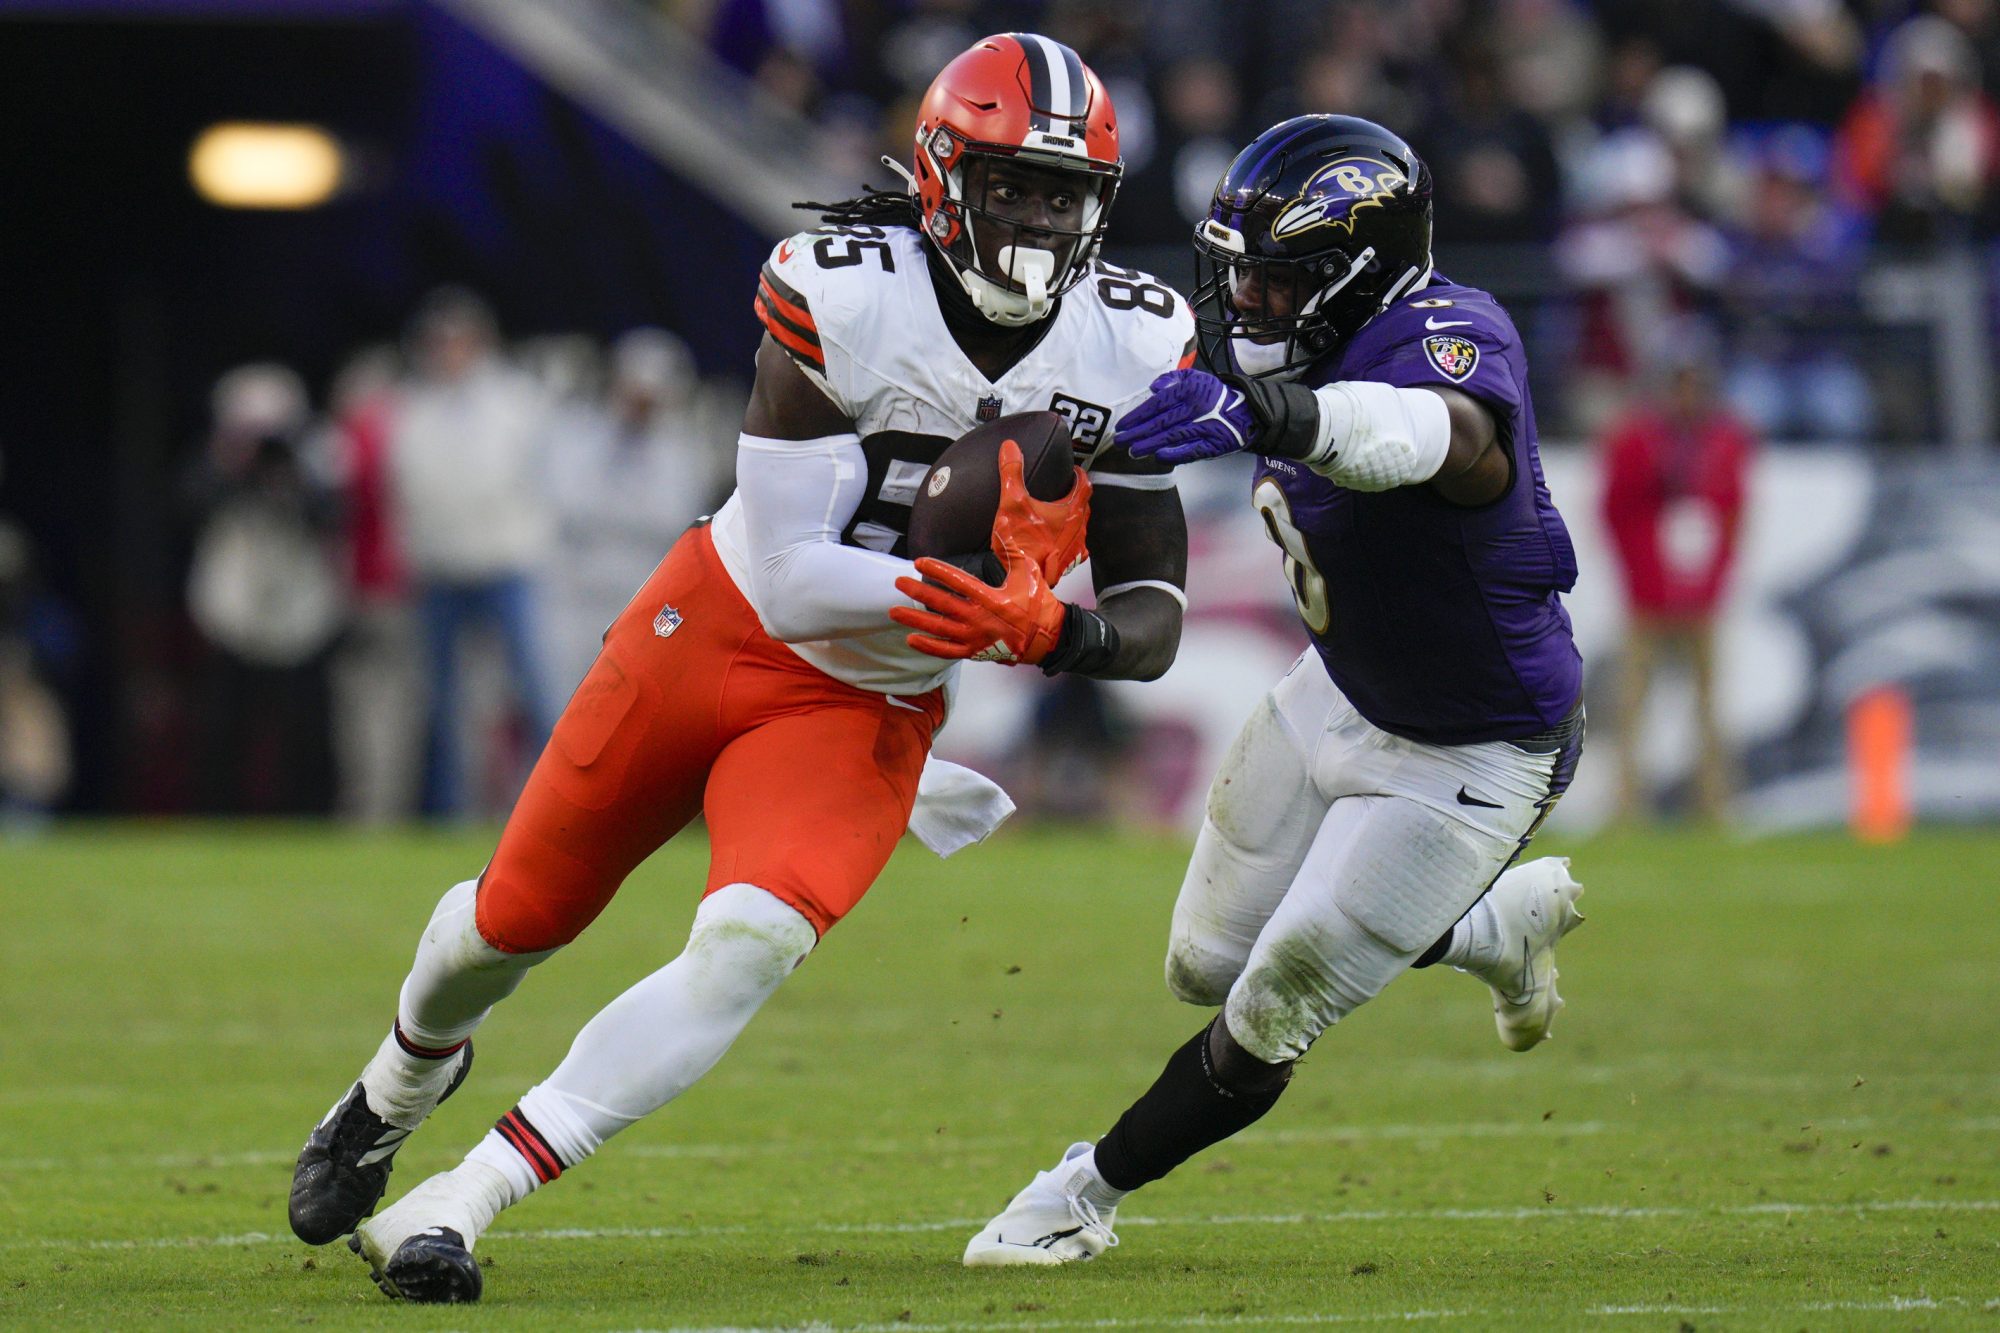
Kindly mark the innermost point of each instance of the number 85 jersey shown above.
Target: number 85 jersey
(856, 308)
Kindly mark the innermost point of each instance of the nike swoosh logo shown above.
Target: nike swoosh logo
(785, 252)
(1527, 991)
(1467, 798)
(894, 702)
(1436, 323)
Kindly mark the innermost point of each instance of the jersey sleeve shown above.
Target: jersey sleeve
(1468, 345)
(802, 315)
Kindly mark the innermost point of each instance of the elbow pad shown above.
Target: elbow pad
(1375, 437)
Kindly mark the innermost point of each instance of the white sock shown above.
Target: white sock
(1475, 939)
(403, 1088)
(457, 976)
(466, 1199)
(532, 1145)
(496, 1155)
(653, 1042)
(1104, 1196)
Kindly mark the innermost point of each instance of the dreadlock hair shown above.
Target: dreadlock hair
(872, 207)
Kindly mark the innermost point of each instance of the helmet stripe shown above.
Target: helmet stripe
(1079, 91)
(1055, 83)
(1039, 80)
(1058, 103)
(1270, 152)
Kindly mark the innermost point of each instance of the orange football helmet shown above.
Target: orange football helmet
(1027, 98)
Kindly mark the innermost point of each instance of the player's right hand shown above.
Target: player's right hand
(967, 618)
(1190, 415)
(1050, 532)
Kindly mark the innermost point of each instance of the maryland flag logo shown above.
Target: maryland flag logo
(1454, 357)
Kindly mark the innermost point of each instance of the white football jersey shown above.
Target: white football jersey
(856, 309)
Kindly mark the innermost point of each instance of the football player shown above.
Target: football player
(758, 677)
(1366, 816)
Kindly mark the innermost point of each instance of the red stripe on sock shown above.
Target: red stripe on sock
(518, 1143)
(528, 1142)
(426, 1052)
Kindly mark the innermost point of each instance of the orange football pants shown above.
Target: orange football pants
(807, 782)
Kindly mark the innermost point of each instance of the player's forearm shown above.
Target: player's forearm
(1140, 634)
(1356, 433)
(823, 590)
(796, 496)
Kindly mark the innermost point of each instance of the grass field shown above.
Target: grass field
(1774, 1101)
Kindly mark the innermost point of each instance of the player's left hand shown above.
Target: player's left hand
(965, 617)
(1190, 415)
(1051, 532)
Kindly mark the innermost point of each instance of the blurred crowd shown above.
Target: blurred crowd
(396, 592)
(1737, 159)
(1687, 205)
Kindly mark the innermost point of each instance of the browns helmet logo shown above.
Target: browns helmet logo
(1332, 196)
(1454, 357)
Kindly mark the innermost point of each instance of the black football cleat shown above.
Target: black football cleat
(344, 1167)
(430, 1268)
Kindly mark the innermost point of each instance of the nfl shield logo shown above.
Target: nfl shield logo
(666, 622)
(989, 407)
(1455, 358)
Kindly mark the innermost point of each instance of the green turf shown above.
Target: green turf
(1774, 1101)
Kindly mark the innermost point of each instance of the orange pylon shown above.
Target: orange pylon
(1880, 732)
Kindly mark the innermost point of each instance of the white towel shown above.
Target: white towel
(956, 807)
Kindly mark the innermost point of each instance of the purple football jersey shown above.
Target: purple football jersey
(1440, 623)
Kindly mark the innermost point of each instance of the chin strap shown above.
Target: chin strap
(909, 179)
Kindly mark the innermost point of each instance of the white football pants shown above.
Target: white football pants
(1333, 854)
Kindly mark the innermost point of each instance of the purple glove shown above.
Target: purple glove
(1191, 415)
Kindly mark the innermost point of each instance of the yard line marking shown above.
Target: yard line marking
(881, 1147)
(1492, 1129)
(1539, 1315)
(778, 1234)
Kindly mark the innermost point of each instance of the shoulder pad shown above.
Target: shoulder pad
(784, 310)
(1150, 318)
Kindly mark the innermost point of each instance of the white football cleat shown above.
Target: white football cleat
(1534, 905)
(1049, 1222)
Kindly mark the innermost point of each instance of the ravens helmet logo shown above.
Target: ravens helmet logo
(1332, 196)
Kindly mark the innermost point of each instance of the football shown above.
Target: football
(952, 516)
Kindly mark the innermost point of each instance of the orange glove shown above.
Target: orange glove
(1019, 621)
(1051, 532)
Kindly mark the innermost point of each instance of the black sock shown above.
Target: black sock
(1187, 1109)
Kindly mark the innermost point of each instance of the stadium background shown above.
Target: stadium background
(1633, 178)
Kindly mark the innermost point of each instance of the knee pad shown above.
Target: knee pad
(535, 897)
(1282, 1002)
(460, 941)
(749, 939)
(1199, 976)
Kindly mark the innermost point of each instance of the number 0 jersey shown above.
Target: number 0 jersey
(855, 308)
(1440, 623)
